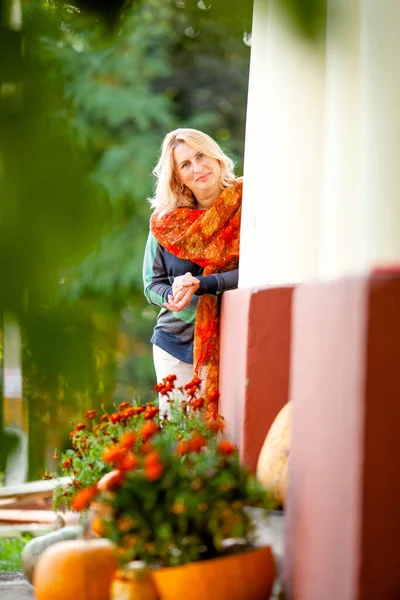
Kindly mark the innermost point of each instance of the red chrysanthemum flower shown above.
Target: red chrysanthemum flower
(80, 426)
(127, 413)
(197, 403)
(90, 414)
(226, 448)
(67, 463)
(197, 442)
(151, 412)
(115, 417)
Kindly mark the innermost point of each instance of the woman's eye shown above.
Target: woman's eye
(200, 155)
(186, 164)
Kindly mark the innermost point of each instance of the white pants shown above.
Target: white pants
(166, 364)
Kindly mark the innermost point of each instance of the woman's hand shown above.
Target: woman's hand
(181, 285)
(183, 289)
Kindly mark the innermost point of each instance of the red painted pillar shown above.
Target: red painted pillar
(343, 524)
(254, 363)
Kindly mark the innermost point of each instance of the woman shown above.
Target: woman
(191, 255)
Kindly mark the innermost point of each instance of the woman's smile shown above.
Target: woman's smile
(203, 177)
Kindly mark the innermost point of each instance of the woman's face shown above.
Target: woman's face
(200, 173)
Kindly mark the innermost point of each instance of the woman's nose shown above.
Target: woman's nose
(197, 167)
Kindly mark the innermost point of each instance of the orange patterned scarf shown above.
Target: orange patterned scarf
(209, 238)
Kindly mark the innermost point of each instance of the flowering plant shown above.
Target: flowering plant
(166, 489)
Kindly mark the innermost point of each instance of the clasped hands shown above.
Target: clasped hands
(183, 289)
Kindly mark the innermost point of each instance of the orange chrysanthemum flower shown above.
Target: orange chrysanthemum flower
(129, 462)
(84, 498)
(128, 440)
(153, 467)
(182, 448)
(80, 426)
(147, 430)
(215, 424)
(146, 448)
(104, 418)
(154, 471)
(113, 454)
(124, 405)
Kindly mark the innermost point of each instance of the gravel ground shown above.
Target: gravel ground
(13, 586)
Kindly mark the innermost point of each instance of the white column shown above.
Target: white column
(283, 166)
(341, 226)
(380, 138)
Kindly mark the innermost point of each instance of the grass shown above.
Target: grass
(10, 553)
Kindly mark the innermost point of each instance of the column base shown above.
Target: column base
(343, 526)
(254, 364)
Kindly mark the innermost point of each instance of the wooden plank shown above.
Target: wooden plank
(15, 531)
(33, 488)
(10, 515)
(29, 502)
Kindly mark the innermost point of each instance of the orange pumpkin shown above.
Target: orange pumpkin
(273, 462)
(75, 570)
(244, 576)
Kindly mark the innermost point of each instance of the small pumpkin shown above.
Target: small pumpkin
(36, 546)
(134, 582)
(273, 462)
(76, 570)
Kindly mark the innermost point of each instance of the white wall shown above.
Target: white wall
(322, 181)
(283, 156)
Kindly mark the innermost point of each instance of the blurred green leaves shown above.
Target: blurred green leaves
(48, 211)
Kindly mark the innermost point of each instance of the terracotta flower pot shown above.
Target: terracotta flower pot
(245, 576)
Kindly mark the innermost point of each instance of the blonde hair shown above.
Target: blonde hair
(168, 192)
